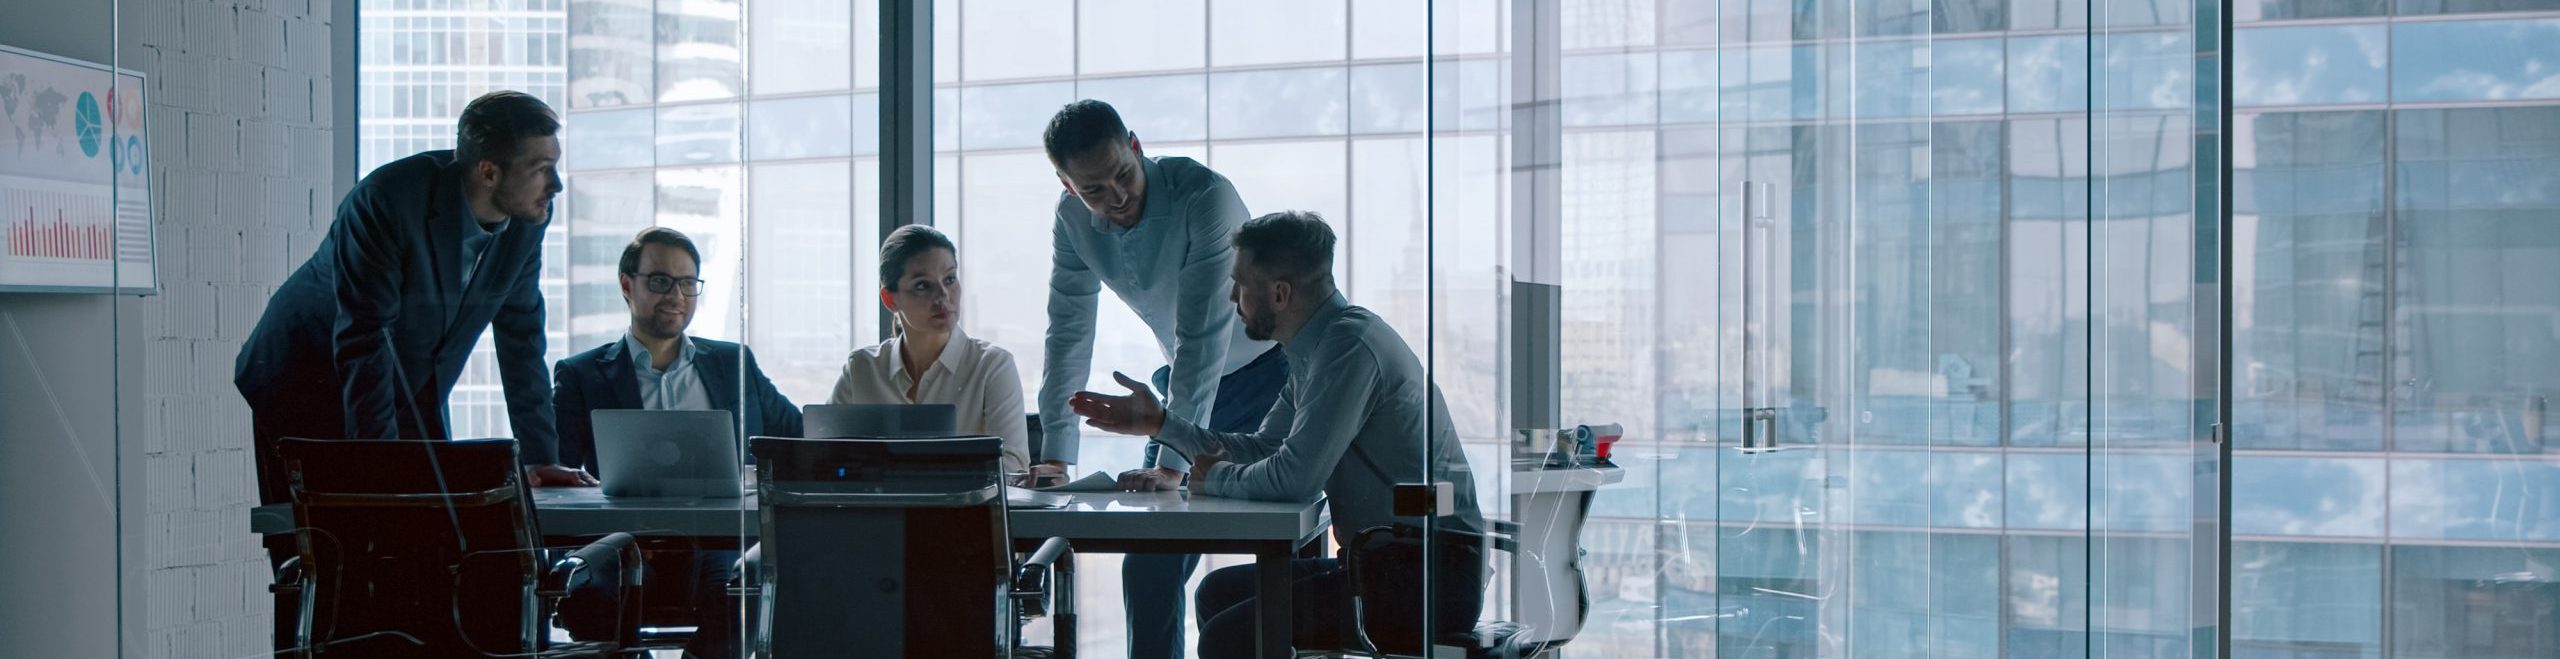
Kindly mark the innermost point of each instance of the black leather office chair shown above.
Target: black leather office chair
(425, 548)
(888, 548)
(1488, 640)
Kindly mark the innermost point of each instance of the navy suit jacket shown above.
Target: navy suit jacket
(602, 379)
(370, 335)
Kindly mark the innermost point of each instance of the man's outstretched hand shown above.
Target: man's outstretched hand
(556, 476)
(1133, 414)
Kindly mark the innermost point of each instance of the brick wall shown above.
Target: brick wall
(241, 130)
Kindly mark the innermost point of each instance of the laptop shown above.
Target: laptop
(879, 421)
(667, 453)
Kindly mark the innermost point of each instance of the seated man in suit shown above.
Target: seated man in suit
(657, 367)
(1352, 416)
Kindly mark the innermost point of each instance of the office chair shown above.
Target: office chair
(1488, 640)
(892, 548)
(426, 548)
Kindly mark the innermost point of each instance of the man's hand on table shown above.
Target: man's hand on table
(556, 476)
(1146, 479)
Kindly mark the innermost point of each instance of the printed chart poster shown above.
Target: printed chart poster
(75, 193)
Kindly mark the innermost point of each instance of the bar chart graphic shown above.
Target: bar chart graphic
(65, 234)
(75, 193)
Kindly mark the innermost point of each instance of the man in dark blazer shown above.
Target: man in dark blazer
(368, 338)
(608, 377)
(655, 366)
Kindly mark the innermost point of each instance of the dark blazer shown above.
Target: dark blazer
(370, 335)
(602, 379)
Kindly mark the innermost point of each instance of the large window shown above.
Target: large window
(2019, 287)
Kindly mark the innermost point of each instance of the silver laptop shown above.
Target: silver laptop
(879, 421)
(667, 453)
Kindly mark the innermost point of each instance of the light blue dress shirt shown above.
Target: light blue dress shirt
(677, 388)
(1173, 269)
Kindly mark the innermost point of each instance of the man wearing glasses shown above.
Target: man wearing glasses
(656, 367)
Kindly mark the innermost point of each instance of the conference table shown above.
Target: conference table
(1092, 522)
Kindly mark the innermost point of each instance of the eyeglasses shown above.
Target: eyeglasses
(661, 284)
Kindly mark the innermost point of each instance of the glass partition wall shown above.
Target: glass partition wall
(1912, 313)
(1906, 310)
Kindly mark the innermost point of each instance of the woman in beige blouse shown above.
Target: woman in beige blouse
(920, 285)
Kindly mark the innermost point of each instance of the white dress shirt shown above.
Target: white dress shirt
(973, 375)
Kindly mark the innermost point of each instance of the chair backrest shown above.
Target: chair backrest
(879, 420)
(414, 547)
(882, 547)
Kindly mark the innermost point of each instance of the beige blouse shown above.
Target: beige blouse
(975, 376)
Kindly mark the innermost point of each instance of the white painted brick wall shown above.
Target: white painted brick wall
(243, 158)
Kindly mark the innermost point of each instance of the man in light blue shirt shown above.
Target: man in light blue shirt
(1157, 232)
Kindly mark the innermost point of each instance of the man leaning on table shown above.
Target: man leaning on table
(1355, 405)
(1154, 230)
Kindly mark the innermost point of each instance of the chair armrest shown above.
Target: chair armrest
(1031, 579)
(288, 577)
(555, 581)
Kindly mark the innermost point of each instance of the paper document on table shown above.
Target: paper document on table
(1093, 482)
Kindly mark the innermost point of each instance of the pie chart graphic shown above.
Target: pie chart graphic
(85, 120)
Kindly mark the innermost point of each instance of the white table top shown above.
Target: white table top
(1177, 515)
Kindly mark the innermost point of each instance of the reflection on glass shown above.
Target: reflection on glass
(2415, 7)
(1311, 176)
(707, 204)
(2048, 300)
(1009, 116)
(2310, 65)
(610, 53)
(809, 127)
(806, 307)
(2475, 60)
(2310, 265)
(2048, 593)
(1925, 595)
(610, 140)
(698, 134)
(2501, 500)
(2048, 74)
(1467, 94)
(1967, 76)
(699, 55)
(2276, 10)
(2309, 601)
(1118, 36)
(1388, 99)
(2474, 602)
(1008, 39)
(802, 46)
(2479, 280)
(1250, 32)
(1166, 109)
(2300, 496)
(1608, 90)
(1394, 28)
(605, 211)
(1768, 83)
(1277, 103)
